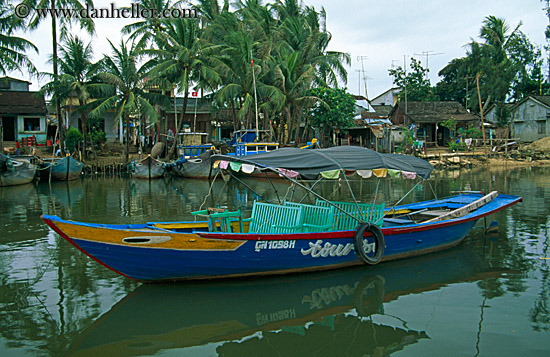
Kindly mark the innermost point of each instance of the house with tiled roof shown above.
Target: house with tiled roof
(425, 119)
(530, 119)
(22, 112)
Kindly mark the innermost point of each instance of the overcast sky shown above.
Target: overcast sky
(385, 32)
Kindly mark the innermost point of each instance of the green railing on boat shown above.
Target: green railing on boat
(342, 221)
(294, 217)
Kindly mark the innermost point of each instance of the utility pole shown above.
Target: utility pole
(466, 97)
(405, 82)
(363, 58)
(428, 54)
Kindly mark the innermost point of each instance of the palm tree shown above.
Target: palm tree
(65, 23)
(125, 88)
(494, 63)
(13, 48)
(246, 39)
(180, 58)
(76, 79)
(145, 30)
(304, 60)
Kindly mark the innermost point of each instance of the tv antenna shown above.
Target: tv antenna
(363, 58)
(428, 54)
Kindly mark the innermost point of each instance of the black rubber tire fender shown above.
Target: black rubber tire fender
(378, 239)
(369, 295)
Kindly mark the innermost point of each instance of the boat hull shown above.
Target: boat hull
(147, 254)
(197, 168)
(22, 173)
(64, 169)
(148, 169)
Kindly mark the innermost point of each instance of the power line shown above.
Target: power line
(428, 54)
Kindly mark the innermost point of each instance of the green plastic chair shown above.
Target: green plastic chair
(315, 218)
(367, 212)
(271, 218)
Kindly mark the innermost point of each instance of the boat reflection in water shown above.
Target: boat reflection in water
(289, 315)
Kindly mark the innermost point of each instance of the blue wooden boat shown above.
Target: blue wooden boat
(61, 169)
(15, 171)
(288, 237)
(249, 142)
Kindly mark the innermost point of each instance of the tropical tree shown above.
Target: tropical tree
(179, 57)
(304, 60)
(13, 49)
(283, 48)
(527, 62)
(125, 89)
(416, 86)
(143, 31)
(334, 110)
(504, 60)
(65, 22)
(76, 81)
(238, 62)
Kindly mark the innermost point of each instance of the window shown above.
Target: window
(541, 127)
(31, 124)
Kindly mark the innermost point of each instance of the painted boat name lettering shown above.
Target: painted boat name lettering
(322, 297)
(275, 244)
(317, 249)
(262, 319)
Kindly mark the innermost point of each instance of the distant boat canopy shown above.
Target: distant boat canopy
(328, 163)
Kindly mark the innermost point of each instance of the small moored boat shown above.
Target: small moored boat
(61, 169)
(15, 171)
(147, 168)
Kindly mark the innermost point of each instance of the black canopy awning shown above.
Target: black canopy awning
(310, 163)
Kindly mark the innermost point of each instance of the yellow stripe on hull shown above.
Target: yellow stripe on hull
(158, 239)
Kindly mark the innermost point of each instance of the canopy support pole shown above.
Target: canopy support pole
(398, 202)
(292, 194)
(376, 193)
(271, 182)
(435, 194)
(209, 191)
(247, 186)
(350, 190)
(312, 186)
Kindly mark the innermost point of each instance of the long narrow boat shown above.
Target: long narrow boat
(61, 169)
(147, 168)
(289, 237)
(15, 171)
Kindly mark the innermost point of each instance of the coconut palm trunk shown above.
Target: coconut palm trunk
(60, 120)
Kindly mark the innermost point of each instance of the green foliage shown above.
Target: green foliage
(97, 137)
(13, 48)
(73, 138)
(454, 146)
(507, 64)
(450, 124)
(470, 132)
(335, 109)
(418, 86)
(407, 144)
